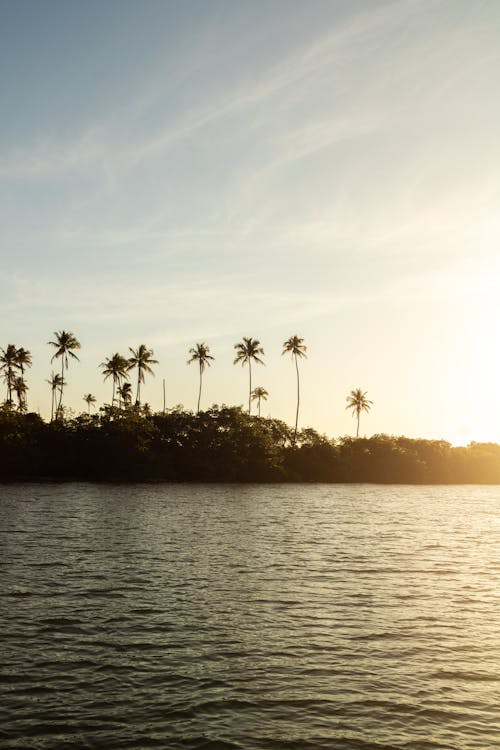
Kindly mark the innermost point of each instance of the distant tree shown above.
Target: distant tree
(23, 360)
(200, 353)
(248, 350)
(115, 367)
(296, 347)
(89, 400)
(125, 394)
(8, 365)
(56, 383)
(65, 344)
(142, 358)
(258, 394)
(20, 388)
(358, 402)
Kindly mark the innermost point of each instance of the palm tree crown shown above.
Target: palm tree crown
(65, 344)
(125, 393)
(56, 383)
(8, 363)
(142, 358)
(358, 402)
(248, 350)
(115, 367)
(258, 394)
(200, 353)
(20, 388)
(89, 400)
(296, 347)
(23, 359)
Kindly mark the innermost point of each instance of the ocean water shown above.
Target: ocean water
(257, 617)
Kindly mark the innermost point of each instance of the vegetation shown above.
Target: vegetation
(142, 358)
(65, 344)
(200, 353)
(126, 441)
(358, 402)
(259, 394)
(296, 347)
(223, 444)
(248, 350)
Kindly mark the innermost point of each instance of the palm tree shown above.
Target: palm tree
(258, 394)
(89, 400)
(142, 358)
(19, 387)
(125, 394)
(358, 402)
(200, 353)
(247, 350)
(115, 367)
(8, 363)
(23, 359)
(65, 343)
(56, 383)
(295, 345)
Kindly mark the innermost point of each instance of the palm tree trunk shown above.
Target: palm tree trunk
(250, 390)
(138, 393)
(52, 405)
(199, 392)
(62, 385)
(25, 397)
(113, 393)
(357, 428)
(9, 385)
(258, 402)
(298, 399)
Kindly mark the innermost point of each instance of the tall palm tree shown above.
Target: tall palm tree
(258, 394)
(125, 394)
(65, 344)
(23, 359)
(19, 387)
(248, 350)
(56, 383)
(358, 402)
(115, 367)
(8, 364)
(200, 353)
(296, 347)
(89, 400)
(142, 358)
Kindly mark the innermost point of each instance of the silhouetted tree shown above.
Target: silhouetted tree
(65, 344)
(115, 367)
(296, 347)
(258, 394)
(23, 360)
(56, 383)
(200, 353)
(19, 387)
(248, 350)
(125, 394)
(89, 400)
(8, 365)
(358, 402)
(142, 358)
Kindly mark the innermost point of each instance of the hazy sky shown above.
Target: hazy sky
(173, 172)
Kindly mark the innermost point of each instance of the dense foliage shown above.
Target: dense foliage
(224, 444)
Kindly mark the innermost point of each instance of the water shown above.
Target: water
(254, 617)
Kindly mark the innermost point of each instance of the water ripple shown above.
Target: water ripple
(249, 618)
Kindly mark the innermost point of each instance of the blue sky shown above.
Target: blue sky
(173, 172)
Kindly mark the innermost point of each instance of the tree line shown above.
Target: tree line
(14, 361)
(223, 444)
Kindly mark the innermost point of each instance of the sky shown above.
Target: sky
(185, 171)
